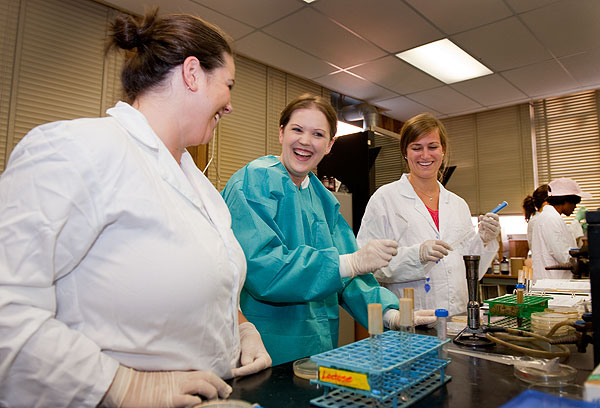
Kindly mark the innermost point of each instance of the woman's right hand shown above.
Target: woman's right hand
(132, 388)
(433, 250)
(376, 254)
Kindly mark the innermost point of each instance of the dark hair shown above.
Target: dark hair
(559, 200)
(418, 125)
(155, 45)
(534, 202)
(307, 101)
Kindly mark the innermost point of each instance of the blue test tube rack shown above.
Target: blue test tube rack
(427, 372)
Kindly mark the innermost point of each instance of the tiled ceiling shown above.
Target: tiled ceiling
(535, 48)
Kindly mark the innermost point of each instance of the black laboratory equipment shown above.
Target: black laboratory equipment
(472, 335)
(351, 161)
(593, 220)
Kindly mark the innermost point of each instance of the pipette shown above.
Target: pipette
(454, 244)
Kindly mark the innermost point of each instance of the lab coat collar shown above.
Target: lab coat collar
(135, 123)
(138, 127)
(407, 190)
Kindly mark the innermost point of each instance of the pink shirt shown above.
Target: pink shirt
(435, 214)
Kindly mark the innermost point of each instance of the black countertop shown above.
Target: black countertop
(475, 383)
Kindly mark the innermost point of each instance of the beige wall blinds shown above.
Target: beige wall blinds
(9, 17)
(492, 152)
(53, 65)
(252, 130)
(389, 164)
(241, 134)
(568, 143)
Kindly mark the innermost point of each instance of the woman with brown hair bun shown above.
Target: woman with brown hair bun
(119, 272)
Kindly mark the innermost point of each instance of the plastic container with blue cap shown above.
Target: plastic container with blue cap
(442, 333)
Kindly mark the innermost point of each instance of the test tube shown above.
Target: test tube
(521, 276)
(442, 331)
(375, 315)
(520, 287)
(410, 294)
(529, 278)
(406, 330)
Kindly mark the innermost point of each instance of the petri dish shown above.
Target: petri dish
(306, 368)
(564, 390)
(225, 404)
(563, 375)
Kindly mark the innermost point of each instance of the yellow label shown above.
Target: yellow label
(345, 378)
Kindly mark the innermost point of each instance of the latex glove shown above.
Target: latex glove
(489, 227)
(580, 215)
(423, 317)
(433, 250)
(420, 317)
(254, 356)
(376, 254)
(132, 388)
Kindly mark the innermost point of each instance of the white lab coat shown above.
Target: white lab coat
(550, 244)
(396, 212)
(110, 252)
(530, 226)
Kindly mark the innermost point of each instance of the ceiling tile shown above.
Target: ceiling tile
(390, 24)
(359, 88)
(541, 80)
(256, 13)
(234, 28)
(275, 53)
(503, 45)
(395, 74)
(461, 15)
(402, 108)
(490, 90)
(319, 36)
(445, 99)
(584, 67)
(566, 27)
(520, 6)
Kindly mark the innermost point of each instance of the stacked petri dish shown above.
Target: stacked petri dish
(543, 322)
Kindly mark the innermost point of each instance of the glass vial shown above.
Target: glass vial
(406, 332)
(375, 315)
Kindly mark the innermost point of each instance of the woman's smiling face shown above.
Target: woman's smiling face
(305, 139)
(425, 155)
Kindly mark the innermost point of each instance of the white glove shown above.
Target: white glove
(433, 250)
(423, 317)
(376, 254)
(489, 227)
(420, 317)
(254, 356)
(132, 388)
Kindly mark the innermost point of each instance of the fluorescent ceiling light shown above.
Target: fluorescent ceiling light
(308, 1)
(445, 61)
(344, 128)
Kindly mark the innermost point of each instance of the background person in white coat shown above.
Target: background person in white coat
(119, 272)
(424, 217)
(552, 238)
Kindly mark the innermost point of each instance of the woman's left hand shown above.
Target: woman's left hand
(489, 227)
(254, 357)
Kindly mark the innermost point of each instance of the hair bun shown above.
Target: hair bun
(129, 33)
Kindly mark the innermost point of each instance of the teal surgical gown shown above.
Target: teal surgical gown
(292, 239)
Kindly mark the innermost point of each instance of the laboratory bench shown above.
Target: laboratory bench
(475, 383)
